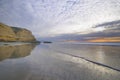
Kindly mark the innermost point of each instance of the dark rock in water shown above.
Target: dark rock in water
(47, 42)
(8, 33)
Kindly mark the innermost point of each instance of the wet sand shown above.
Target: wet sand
(49, 62)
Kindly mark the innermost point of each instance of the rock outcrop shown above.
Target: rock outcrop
(23, 34)
(8, 33)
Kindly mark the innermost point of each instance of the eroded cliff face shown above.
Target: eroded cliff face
(8, 33)
(23, 34)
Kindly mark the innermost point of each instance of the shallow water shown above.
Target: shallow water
(57, 62)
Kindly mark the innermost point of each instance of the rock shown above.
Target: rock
(23, 35)
(8, 33)
(47, 42)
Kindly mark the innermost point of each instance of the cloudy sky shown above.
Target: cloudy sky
(50, 18)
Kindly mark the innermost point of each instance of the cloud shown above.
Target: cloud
(113, 26)
(107, 29)
(57, 17)
(109, 24)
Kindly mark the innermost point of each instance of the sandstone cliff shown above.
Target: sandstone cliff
(23, 34)
(8, 33)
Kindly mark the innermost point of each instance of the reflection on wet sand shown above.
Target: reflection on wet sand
(15, 51)
(14, 70)
(108, 55)
(45, 63)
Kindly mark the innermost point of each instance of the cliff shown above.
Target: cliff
(8, 33)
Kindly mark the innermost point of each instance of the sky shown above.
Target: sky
(62, 18)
